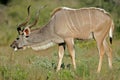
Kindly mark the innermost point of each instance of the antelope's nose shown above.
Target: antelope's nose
(12, 46)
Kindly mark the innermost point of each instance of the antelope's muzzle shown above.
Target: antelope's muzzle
(14, 45)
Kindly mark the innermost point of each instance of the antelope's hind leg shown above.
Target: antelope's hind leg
(101, 50)
(101, 54)
(108, 51)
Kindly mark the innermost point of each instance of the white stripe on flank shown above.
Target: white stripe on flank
(82, 20)
(90, 20)
(72, 24)
(76, 16)
(67, 23)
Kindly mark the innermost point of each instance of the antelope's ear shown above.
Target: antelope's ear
(27, 31)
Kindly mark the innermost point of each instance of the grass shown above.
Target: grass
(31, 65)
(41, 65)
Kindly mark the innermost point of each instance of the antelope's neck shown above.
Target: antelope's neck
(43, 38)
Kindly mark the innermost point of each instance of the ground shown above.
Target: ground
(41, 65)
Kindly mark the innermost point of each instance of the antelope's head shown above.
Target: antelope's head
(24, 30)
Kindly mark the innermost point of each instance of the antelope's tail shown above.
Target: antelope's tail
(111, 32)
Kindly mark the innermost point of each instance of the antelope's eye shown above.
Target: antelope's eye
(26, 36)
(17, 38)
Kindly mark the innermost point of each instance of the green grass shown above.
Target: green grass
(41, 65)
(31, 65)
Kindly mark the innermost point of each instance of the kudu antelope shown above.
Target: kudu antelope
(65, 25)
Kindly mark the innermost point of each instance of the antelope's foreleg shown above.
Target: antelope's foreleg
(60, 55)
(70, 46)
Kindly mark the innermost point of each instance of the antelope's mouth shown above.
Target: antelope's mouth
(17, 48)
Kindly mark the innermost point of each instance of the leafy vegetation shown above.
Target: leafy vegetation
(31, 65)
